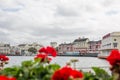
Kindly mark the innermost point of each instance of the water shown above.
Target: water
(84, 63)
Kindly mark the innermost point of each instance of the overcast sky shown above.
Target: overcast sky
(45, 21)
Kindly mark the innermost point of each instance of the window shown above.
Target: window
(114, 39)
(67, 48)
(115, 44)
(96, 46)
(90, 47)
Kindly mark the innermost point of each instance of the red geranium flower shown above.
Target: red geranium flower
(4, 58)
(2, 77)
(52, 51)
(43, 50)
(48, 50)
(41, 56)
(12, 78)
(76, 74)
(65, 73)
(62, 74)
(114, 57)
(44, 57)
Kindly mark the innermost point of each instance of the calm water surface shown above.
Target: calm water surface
(83, 63)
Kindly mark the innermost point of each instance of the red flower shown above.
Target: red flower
(4, 58)
(65, 73)
(2, 77)
(57, 76)
(41, 56)
(48, 50)
(44, 57)
(12, 78)
(76, 74)
(114, 57)
(51, 51)
(43, 50)
(62, 74)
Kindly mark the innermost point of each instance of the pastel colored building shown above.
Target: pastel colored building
(65, 47)
(94, 46)
(109, 41)
(4, 48)
(81, 45)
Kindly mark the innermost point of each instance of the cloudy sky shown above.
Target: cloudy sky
(44, 21)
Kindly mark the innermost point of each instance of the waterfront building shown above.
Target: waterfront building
(15, 50)
(65, 47)
(109, 41)
(81, 45)
(53, 44)
(94, 46)
(24, 48)
(4, 48)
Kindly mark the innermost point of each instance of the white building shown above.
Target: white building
(53, 44)
(24, 47)
(109, 41)
(4, 48)
(15, 50)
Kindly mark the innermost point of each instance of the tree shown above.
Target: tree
(56, 49)
(32, 50)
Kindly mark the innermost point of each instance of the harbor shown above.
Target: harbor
(84, 63)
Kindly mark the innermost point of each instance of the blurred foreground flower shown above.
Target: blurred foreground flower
(48, 50)
(114, 57)
(67, 73)
(3, 60)
(43, 57)
(44, 52)
(2, 77)
(114, 60)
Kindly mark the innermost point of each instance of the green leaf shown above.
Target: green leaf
(27, 63)
(89, 76)
(10, 71)
(101, 74)
(53, 66)
(37, 59)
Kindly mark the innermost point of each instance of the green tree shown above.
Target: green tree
(32, 50)
(56, 48)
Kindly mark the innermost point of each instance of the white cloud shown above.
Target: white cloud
(57, 20)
